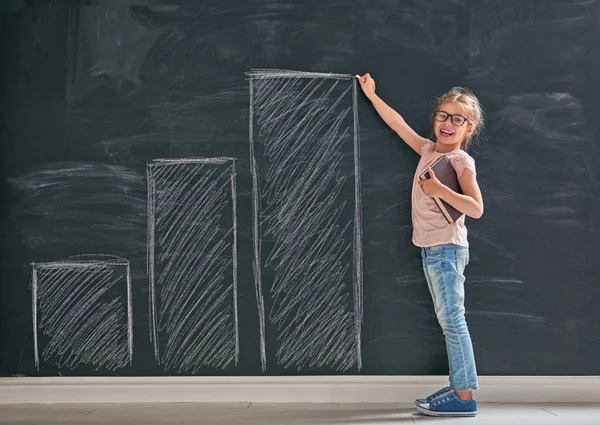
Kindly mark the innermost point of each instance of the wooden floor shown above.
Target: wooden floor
(283, 413)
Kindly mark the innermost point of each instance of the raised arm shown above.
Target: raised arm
(391, 117)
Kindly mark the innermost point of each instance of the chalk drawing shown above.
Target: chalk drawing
(192, 262)
(307, 230)
(82, 311)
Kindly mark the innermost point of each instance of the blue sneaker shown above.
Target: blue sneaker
(433, 396)
(448, 405)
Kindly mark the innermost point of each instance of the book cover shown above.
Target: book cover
(446, 174)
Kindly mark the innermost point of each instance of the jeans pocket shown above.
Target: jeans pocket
(436, 249)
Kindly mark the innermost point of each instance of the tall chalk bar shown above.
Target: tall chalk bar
(82, 313)
(305, 165)
(192, 263)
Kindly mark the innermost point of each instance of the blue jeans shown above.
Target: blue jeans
(444, 267)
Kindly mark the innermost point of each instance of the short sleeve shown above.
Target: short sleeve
(463, 161)
(427, 148)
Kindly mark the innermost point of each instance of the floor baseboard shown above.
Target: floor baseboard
(302, 389)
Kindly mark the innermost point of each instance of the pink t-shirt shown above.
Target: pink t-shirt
(429, 225)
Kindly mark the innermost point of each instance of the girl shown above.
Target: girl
(444, 247)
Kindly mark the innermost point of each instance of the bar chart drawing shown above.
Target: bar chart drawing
(307, 230)
(192, 262)
(82, 313)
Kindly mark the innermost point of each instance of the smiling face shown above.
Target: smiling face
(450, 134)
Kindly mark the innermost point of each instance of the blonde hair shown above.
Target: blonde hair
(469, 102)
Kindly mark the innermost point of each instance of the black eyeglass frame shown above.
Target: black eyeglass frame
(451, 116)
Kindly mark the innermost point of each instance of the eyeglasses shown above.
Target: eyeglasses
(455, 119)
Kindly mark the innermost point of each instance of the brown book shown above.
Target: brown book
(446, 174)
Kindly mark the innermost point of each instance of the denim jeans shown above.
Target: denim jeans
(444, 267)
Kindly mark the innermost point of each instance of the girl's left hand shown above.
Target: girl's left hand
(432, 186)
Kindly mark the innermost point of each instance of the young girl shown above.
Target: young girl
(444, 247)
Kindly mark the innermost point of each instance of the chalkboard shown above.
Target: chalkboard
(200, 188)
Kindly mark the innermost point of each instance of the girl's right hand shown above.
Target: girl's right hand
(367, 84)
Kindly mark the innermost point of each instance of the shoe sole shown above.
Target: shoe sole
(453, 414)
